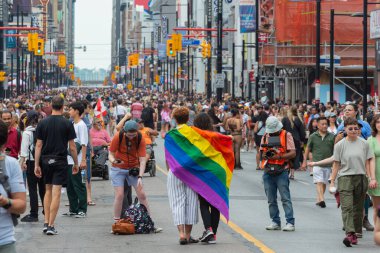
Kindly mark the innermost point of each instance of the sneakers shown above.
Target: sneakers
(158, 230)
(69, 214)
(80, 215)
(273, 226)
(29, 218)
(289, 227)
(44, 230)
(51, 231)
(207, 234)
(321, 204)
(348, 240)
(212, 240)
(367, 225)
(354, 239)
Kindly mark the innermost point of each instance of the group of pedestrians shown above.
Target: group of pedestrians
(54, 138)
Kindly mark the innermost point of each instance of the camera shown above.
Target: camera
(274, 142)
(134, 172)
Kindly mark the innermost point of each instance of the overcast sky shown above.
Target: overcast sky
(93, 19)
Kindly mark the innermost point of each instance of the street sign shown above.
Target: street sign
(374, 25)
(190, 43)
(219, 80)
(227, 67)
(325, 60)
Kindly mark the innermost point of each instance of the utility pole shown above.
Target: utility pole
(257, 77)
(233, 70)
(318, 50)
(332, 45)
(18, 55)
(242, 69)
(219, 61)
(365, 48)
(2, 48)
(209, 21)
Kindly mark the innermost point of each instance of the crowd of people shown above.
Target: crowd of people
(48, 140)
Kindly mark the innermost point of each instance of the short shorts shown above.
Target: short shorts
(321, 174)
(118, 177)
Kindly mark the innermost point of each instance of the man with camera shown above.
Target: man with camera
(128, 158)
(276, 149)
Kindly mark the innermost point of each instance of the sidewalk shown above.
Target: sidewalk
(92, 234)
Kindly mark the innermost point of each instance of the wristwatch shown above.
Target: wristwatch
(139, 177)
(8, 205)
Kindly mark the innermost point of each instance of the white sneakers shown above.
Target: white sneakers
(274, 226)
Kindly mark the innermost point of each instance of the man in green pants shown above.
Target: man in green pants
(76, 186)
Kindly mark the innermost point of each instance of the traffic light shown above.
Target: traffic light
(117, 69)
(2, 76)
(62, 61)
(39, 49)
(71, 67)
(177, 41)
(208, 50)
(170, 48)
(130, 60)
(204, 48)
(32, 41)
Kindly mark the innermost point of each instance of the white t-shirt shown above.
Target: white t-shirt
(82, 136)
(119, 111)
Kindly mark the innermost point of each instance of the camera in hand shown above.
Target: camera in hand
(273, 143)
(134, 172)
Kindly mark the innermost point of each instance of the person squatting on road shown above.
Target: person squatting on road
(12, 195)
(277, 148)
(353, 159)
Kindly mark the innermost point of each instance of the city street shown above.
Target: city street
(317, 230)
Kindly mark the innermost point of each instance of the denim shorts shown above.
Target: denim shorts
(118, 177)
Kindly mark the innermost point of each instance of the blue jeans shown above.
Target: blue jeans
(271, 184)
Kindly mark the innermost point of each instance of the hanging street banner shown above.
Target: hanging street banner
(247, 18)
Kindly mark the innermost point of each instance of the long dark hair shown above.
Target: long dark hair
(373, 124)
(203, 121)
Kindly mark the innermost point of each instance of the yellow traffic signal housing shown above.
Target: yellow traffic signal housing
(40, 46)
(32, 41)
(170, 48)
(71, 67)
(136, 59)
(204, 48)
(2, 76)
(130, 61)
(208, 51)
(62, 61)
(117, 69)
(177, 39)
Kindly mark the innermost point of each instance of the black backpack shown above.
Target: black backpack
(140, 217)
(146, 115)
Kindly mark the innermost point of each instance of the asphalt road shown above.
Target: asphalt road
(317, 230)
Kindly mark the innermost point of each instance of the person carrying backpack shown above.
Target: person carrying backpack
(27, 163)
(127, 156)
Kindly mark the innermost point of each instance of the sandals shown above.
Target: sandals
(183, 241)
(91, 203)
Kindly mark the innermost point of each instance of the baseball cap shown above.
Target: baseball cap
(130, 125)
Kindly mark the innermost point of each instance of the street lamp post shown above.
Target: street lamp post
(332, 55)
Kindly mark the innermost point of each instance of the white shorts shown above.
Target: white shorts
(321, 174)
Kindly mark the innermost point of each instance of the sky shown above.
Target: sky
(93, 20)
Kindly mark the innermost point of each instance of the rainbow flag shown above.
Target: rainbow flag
(204, 161)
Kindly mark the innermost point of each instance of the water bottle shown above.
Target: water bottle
(83, 174)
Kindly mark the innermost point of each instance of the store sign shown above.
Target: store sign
(374, 26)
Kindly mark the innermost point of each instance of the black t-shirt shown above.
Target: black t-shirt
(55, 132)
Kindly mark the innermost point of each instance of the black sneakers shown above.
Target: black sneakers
(29, 218)
(44, 230)
(51, 231)
(207, 235)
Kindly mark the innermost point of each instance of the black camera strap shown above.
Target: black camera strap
(4, 180)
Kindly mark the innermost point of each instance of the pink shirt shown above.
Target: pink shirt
(99, 138)
(136, 109)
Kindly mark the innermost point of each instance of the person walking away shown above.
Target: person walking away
(76, 186)
(235, 125)
(276, 175)
(54, 134)
(119, 111)
(293, 125)
(137, 108)
(27, 163)
(321, 144)
(352, 161)
(12, 194)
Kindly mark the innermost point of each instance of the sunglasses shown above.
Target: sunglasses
(353, 129)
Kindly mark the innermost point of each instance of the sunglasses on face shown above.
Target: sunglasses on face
(353, 129)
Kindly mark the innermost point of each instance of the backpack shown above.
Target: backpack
(146, 115)
(140, 217)
(32, 147)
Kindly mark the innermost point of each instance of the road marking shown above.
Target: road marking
(302, 182)
(259, 244)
